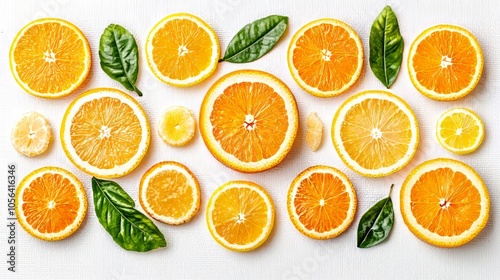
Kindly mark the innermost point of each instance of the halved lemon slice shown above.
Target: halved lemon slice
(460, 130)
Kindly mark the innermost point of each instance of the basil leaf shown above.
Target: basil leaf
(386, 47)
(119, 56)
(130, 229)
(376, 224)
(255, 39)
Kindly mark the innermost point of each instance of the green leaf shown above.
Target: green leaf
(255, 39)
(119, 56)
(130, 229)
(376, 224)
(386, 47)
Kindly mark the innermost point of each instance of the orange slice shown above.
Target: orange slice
(50, 203)
(177, 126)
(32, 134)
(105, 133)
(50, 58)
(460, 131)
(444, 202)
(321, 202)
(249, 120)
(375, 133)
(240, 215)
(445, 62)
(170, 193)
(325, 57)
(182, 50)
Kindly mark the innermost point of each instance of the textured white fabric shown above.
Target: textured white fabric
(191, 252)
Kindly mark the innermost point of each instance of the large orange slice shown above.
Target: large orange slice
(50, 58)
(325, 57)
(444, 202)
(105, 133)
(50, 203)
(445, 62)
(249, 120)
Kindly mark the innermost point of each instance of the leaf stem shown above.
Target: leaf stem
(390, 191)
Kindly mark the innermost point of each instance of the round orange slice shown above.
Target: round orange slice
(249, 120)
(50, 58)
(177, 126)
(105, 133)
(444, 202)
(51, 203)
(321, 202)
(32, 134)
(445, 62)
(325, 57)
(170, 193)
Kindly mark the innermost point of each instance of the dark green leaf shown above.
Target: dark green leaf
(119, 56)
(255, 39)
(376, 223)
(130, 229)
(386, 47)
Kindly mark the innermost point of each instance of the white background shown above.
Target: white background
(191, 252)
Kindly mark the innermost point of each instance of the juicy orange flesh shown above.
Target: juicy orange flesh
(50, 57)
(50, 203)
(445, 202)
(249, 121)
(181, 49)
(326, 57)
(240, 215)
(361, 138)
(445, 62)
(31, 133)
(105, 132)
(459, 130)
(307, 202)
(169, 194)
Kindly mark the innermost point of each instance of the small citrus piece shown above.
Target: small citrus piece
(325, 57)
(375, 133)
(314, 131)
(105, 133)
(32, 134)
(170, 193)
(182, 50)
(50, 58)
(177, 126)
(240, 215)
(444, 202)
(51, 203)
(321, 202)
(460, 131)
(445, 62)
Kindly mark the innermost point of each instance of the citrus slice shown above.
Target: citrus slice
(249, 120)
(325, 57)
(170, 193)
(50, 203)
(177, 126)
(314, 131)
(50, 58)
(460, 131)
(375, 133)
(445, 62)
(105, 133)
(240, 215)
(321, 202)
(32, 134)
(444, 202)
(182, 50)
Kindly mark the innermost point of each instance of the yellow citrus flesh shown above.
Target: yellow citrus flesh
(32, 134)
(105, 133)
(314, 131)
(321, 202)
(325, 57)
(182, 50)
(50, 58)
(177, 126)
(240, 215)
(375, 133)
(444, 202)
(249, 120)
(51, 203)
(445, 62)
(460, 131)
